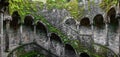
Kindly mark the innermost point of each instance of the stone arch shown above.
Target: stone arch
(69, 51)
(33, 46)
(56, 44)
(84, 54)
(70, 21)
(111, 14)
(85, 21)
(28, 29)
(98, 20)
(55, 37)
(15, 23)
(28, 20)
(40, 27)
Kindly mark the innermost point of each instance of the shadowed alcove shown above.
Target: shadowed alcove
(41, 34)
(15, 23)
(41, 28)
(85, 21)
(99, 28)
(69, 51)
(28, 21)
(113, 27)
(98, 20)
(111, 14)
(113, 21)
(85, 26)
(55, 37)
(14, 30)
(56, 44)
(84, 54)
(28, 29)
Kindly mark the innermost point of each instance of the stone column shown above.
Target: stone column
(21, 36)
(107, 39)
(1, 34)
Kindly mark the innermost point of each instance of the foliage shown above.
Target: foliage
(106, 4)
(73, 8)
(58, 4)
(32, 54)
(23, 7)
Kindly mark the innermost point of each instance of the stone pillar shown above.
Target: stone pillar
(1, 34)
(21, 36)
(107, 39)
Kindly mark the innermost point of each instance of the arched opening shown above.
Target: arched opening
(56, 44)
(85, 21)
(28, 21)
(113, 25)
(15, 20)
(111, 14)
(40, 28)
(85, 27)
(41, 34)
(30, 50)
(98, 20)
(69, 51)
(28, 29)
(55, 37)
(70, 22)
(84, 55)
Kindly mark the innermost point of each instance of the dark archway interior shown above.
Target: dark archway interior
(84, 55)
(4, 24)
(98, 20)
(40, 27)
(112, 15)
(55, 37)
(69, 51)
(70, 22)
(28, 22)
(85, 22)
(15, 20)
(113, 25)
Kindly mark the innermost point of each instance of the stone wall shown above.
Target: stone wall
(103, 27)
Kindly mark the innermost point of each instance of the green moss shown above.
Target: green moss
(32, 54)
(106, 4)
(25, 7)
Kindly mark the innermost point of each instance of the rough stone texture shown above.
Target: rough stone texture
(58, 18)
(73, 29)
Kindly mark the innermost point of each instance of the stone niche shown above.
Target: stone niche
(99, 28)
(41, 34)
(85, 26)
(84, 54)
(56, 44)
(69, 51)
(98, 20)
(28, 29)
